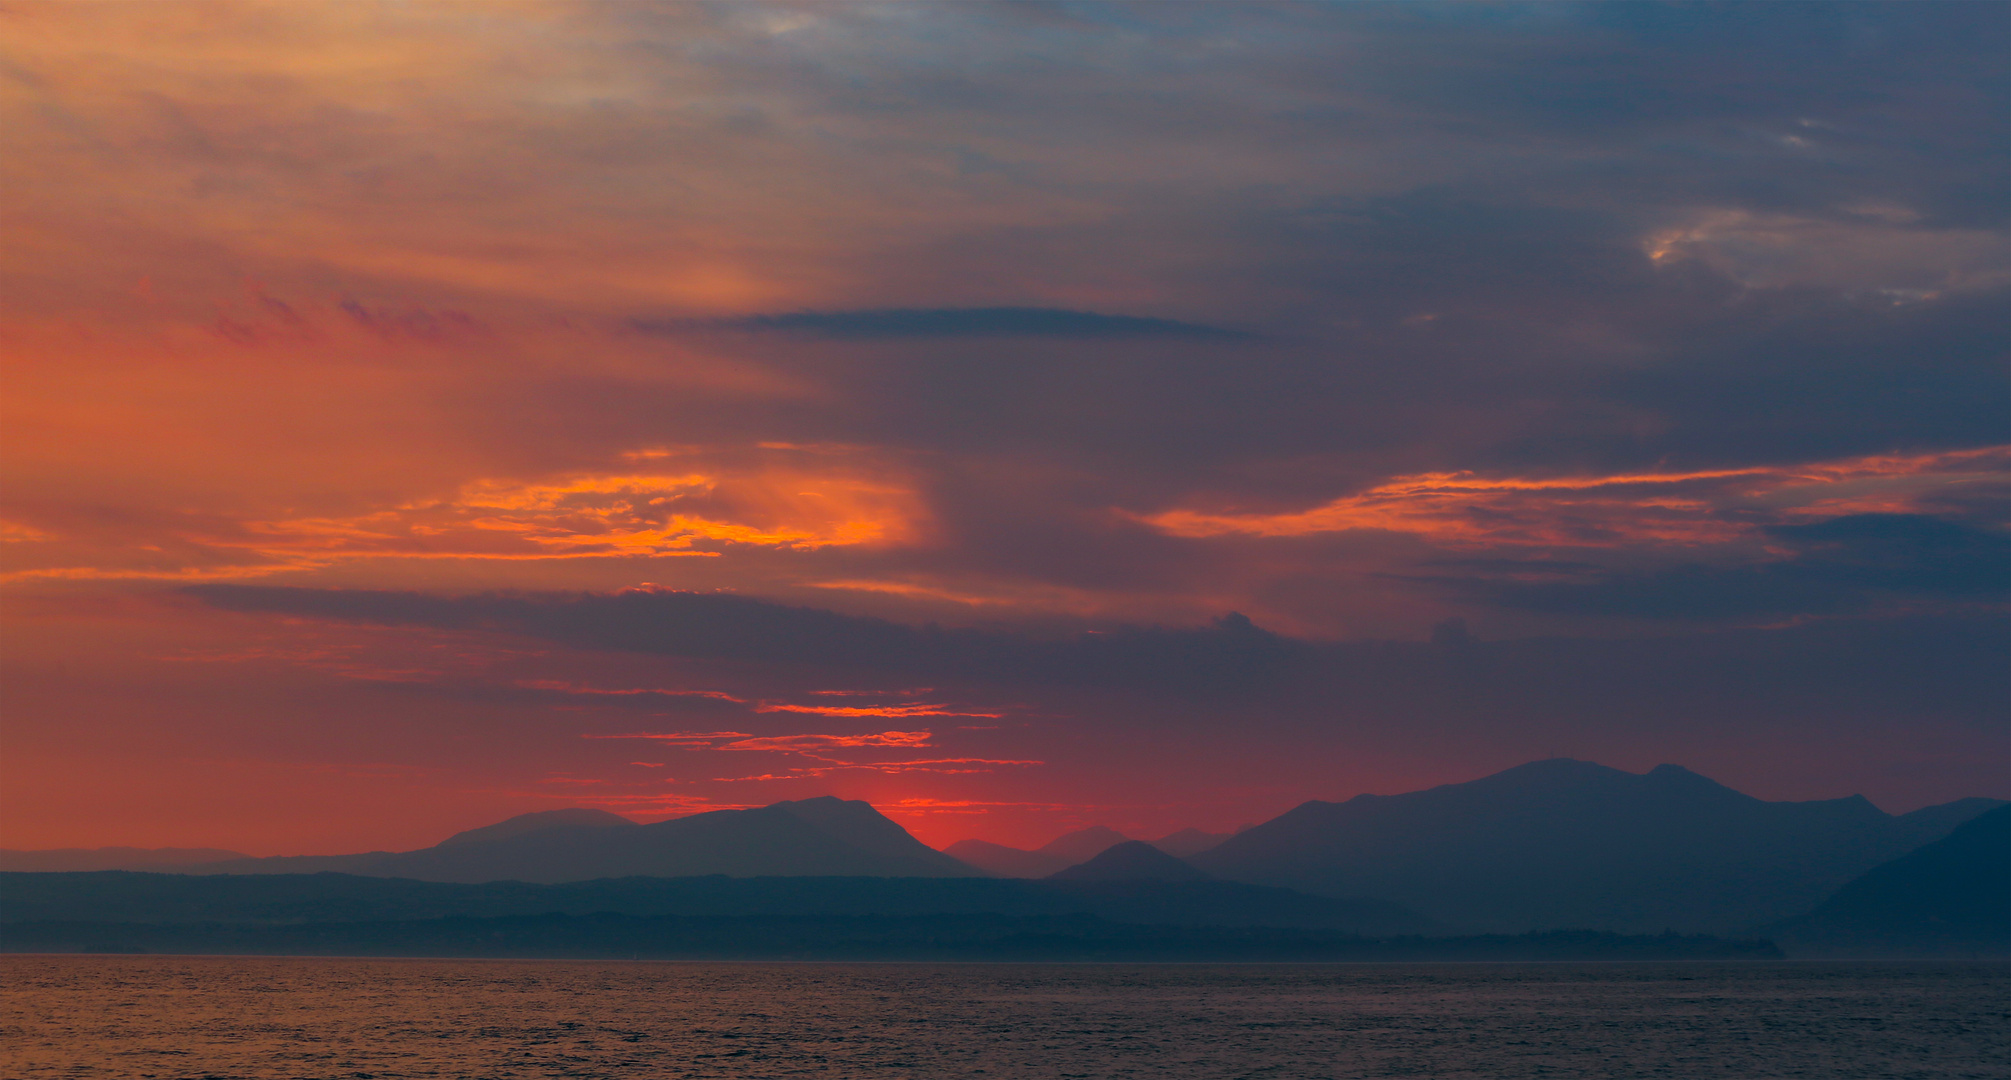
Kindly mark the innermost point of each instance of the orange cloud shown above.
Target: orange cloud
(933, 807)
(681, 738)
(910, 709)
(595, 515)
(785, 744)
(574, 688)
(1464, 509)
(927, 765)
(803, 744)
(612, 514)
(916, 709)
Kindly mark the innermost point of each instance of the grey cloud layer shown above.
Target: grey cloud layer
(1842, 565)
(1864, 674)
(1233, 653)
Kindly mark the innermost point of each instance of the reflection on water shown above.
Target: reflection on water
(174, 1017)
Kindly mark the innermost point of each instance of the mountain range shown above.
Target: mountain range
(1133, 860)
(809, 837)
(1558, 844)
(1950, 898)
(1071, 849)
(1564, 843)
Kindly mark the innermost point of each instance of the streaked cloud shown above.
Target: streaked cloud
(990, 322)
(1465, 510)
(806, 744)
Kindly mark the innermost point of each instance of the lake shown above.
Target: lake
(258, 1017)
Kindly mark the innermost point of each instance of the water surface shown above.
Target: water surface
(254, 1017)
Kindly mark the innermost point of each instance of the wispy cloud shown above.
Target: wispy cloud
(976, 322)
(963, 766)
(910, 709)
(915, 709)
(580, 516)
(1469, 510)
(805, 744)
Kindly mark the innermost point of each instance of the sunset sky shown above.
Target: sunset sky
(1019, 416)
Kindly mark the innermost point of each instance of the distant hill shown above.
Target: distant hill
(60, 860)
(123, 897)
(1189, 842)
(1133, 860)
(1082, 844)
(1949, 898)
(999, 860)
(1060, 853)
(1565, 843)
(811, 837)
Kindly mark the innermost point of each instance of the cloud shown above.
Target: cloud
(1068, 328)
(818, 747)
(562, 687)
(1844, 564)
(938, 766)
(924, 807)
(724, 627)
(656, 697)
(784, 744)
(596, 515)
(979, 322)
(1629, 511)
(913, 709)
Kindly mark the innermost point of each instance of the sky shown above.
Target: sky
(1019, 416)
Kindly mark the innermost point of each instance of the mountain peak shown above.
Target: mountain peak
(1573, 843)
(1082, 843)
(1132, 860)
(861, 825)
(821, 800)
(1562, 766)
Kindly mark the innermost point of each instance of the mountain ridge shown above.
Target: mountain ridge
(823, 836)
(1133, 860)
(1948, 898)
(1563, 843)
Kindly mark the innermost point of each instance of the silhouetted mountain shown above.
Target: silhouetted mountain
(1565, 843)
(115, 897)
(862, 828)
(1062, 852)
(1188, 842)
(1948, 898)
(1934, 822)
(1082, 844)
(542, 819)
(1133, 860)
(59, 860)
(1003, 861)
(823, 836)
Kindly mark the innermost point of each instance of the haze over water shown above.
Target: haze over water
(175, 1017)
